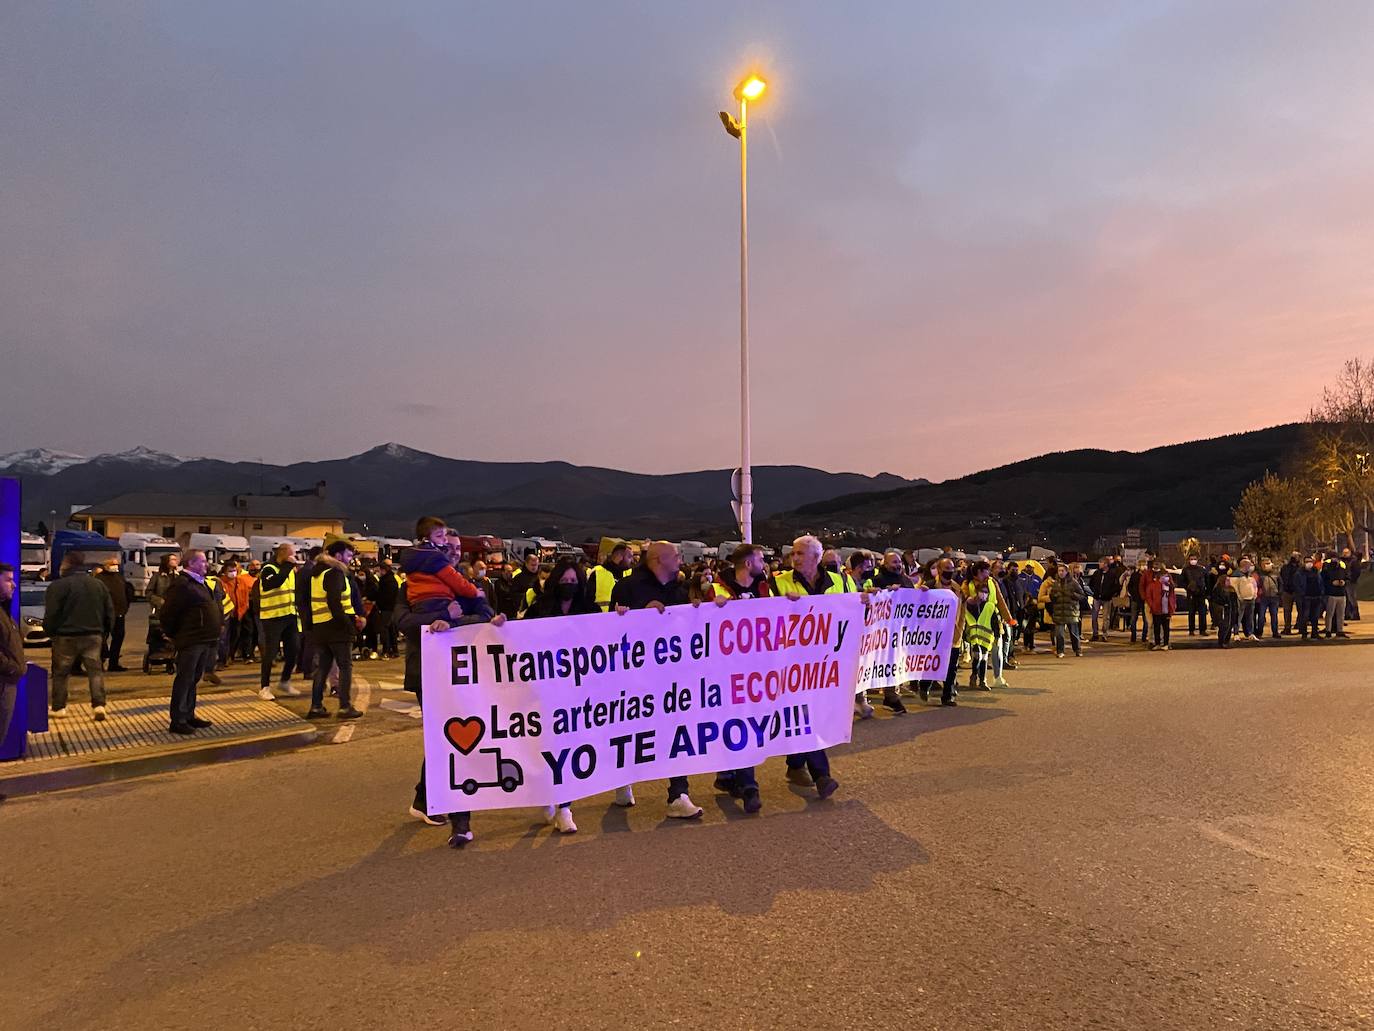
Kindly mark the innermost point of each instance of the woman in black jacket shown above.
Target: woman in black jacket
(564, 594)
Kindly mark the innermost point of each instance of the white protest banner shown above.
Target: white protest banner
(542, 711)
(907, 635)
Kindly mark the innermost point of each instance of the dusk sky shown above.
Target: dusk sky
(510, 231)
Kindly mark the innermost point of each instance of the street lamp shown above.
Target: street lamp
(749, 88)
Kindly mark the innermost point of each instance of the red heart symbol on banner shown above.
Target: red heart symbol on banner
(464, 733)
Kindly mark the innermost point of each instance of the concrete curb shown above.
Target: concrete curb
(59, 774)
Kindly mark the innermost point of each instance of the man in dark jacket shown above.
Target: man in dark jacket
(192, 617)
(334, 621)
(1353, 563)
(1292, 585)
(1194, 583)
(12, 661)
(77, 615)
(1334, 579)
(388, 597)
(1313, 599)
(121, 596)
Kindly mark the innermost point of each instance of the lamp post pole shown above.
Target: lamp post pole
(746, 478)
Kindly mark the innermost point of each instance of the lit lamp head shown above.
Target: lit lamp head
(750, 88)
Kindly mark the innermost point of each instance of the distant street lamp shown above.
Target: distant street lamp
(750, 88)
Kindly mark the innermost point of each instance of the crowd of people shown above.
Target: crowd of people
(312, 617)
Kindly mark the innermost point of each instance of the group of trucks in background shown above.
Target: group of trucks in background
(141, 554)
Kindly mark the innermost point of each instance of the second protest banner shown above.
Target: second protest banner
(537, 712)
(907, 637)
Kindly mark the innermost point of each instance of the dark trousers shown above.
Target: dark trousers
(1161, 629)
(1310, 614)
(330, 653)
(1197, 611)
(1269, 605)
(9, 692)
(391, 644)
(228, 636)
(1352, 605)
(1028, 627)
(459, 821)
(305, 657)
(248, 636)
(193, 662)
(678, 786)
(817, 764)
(1222, 618)
(67, 651)
(109, 652)
(271, 633)
(951, 675)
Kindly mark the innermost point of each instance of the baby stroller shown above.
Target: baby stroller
(160, 651)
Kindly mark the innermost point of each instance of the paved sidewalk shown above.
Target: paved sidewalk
(77, 749)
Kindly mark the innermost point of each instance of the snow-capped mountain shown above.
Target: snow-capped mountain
(142, 456)
(39, 461)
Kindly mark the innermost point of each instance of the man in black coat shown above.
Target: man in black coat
(192, 617)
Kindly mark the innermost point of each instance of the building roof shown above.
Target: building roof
(1221, 535)
(311, 507)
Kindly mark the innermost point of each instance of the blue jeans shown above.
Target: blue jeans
(1268, 605)
(1075, 632)
(817, 763)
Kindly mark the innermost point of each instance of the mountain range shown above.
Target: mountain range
(385, 488)
(1066, 499)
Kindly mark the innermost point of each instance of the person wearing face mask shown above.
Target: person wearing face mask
(1066, 598)
(603, 578)
(1030, 614)
(1334, 574)
(889, 576)
(701, 586)
(1313, 599)
(747, 578)
(121, 596)
(1267, 603)
(861, 566)
(979, 614)
(1247, 592)
(565, 594)
(1159, 596)
(1195, 586)
(1292, 585)
(944, 580)
(1224, 605)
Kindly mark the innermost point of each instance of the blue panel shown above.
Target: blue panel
(9, 531)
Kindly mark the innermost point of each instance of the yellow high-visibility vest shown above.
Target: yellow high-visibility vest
(226, 603)
(978, 630)
(603, 582)
(279, 601)
(789, 584)
(319, 598)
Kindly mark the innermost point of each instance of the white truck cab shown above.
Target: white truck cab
(141, 554)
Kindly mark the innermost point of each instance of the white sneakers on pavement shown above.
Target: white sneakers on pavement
(563, 820)
(1000, 682)
(625, 797)
(289, 689)
(266, 694)
(98, 711)
(57, 714)
(683, 808)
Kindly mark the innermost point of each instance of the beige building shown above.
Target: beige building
(291, 514)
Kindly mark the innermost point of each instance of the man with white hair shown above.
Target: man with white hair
(806, 577)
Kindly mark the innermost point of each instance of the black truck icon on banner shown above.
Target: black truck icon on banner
(509, 775)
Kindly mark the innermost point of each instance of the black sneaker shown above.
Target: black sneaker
(948, 701)
(799, 777)
(198, 723)
(752, 802)
(459, 838)
(895, 704)
(350, 714)
(924, 692)
(725, 785)
(317, 713)
(826, 786)
(183, 729)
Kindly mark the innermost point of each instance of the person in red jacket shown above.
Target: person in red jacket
(1160, 600)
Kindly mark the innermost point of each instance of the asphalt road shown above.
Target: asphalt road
(1130, 840)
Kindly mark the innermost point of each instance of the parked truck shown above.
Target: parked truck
(33, 556)
(218, 547)
(142, 555)
(97, 548)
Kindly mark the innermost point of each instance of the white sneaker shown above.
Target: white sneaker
(682, 808)
(371, 655)
(424, 817)
(57, 714)
(625, 797)
(862, 709)
(266, 695)
(1000, 682)
(289, 689)
(98, 711)
(564, 822)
